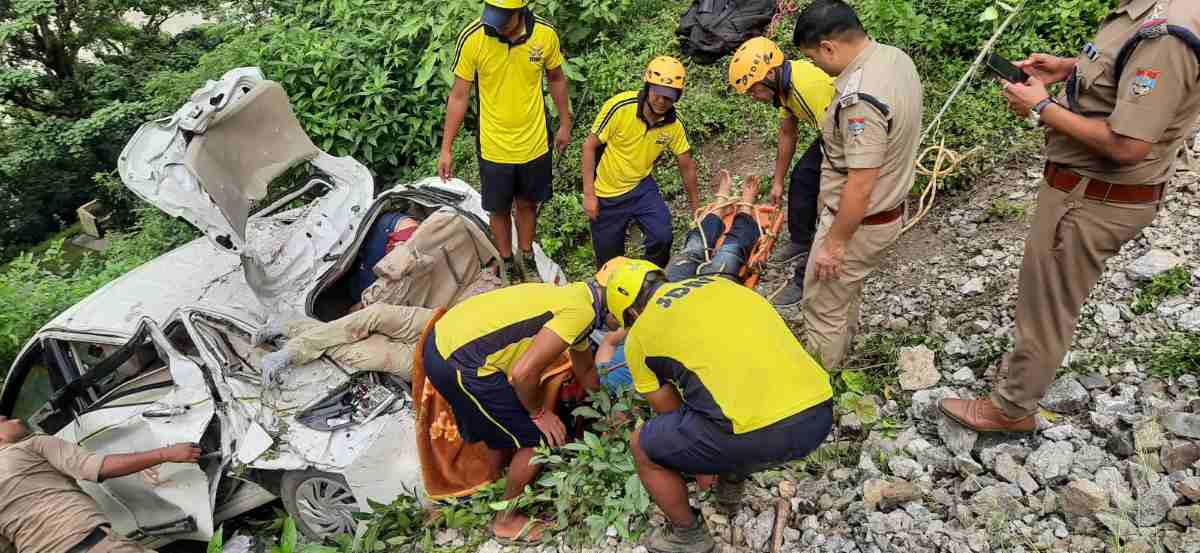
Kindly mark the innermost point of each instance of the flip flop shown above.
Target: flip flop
(519, 539)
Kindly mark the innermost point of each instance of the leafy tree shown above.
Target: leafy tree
(71, 75)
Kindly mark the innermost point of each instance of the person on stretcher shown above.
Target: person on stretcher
(700, 256)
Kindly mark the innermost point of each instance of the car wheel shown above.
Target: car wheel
(321, 503)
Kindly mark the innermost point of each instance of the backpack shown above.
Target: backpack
(712, 29)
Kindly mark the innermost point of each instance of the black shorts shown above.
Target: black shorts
(502, 182)
(486, 409)
(691, 443)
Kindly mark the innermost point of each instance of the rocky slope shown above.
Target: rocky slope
(1114, 466)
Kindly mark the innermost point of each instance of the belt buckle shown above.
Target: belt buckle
(1107, 192)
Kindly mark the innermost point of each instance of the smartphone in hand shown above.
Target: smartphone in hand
(1006, 70)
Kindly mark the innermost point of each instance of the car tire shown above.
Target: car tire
(321, 503)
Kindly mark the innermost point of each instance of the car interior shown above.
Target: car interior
(343, 291)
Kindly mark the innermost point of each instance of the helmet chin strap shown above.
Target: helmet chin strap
(775, 84)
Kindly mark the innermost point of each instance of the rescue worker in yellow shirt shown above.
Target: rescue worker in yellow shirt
(802, 92)
(734, 391)
(486, 357)
(504, 55)
(630, 133)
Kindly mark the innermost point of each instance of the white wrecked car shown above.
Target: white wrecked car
(164, 354)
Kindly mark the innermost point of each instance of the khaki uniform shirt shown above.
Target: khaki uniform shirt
(1155, 100)
(864, 137)
(42, 509)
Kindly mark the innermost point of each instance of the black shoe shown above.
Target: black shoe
(670, 539)
(512, 271)
(729, 491)
(529, 267)
(790, 252)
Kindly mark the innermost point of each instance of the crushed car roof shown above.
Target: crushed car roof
(195, 273)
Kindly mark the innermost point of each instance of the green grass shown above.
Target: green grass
(1175, 282)
(1177, 355)
(1004, 210)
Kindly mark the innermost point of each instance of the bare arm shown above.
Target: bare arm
(691, 183)
(788, 136)
(664, 400)
(853, 207)
(590, 203)
(608, 348)
(1097, 135)
(583, 365)
(560, 93)
(527, 374)
(456, 111)
(116, 466)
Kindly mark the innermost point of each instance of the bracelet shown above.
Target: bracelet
(540, 414)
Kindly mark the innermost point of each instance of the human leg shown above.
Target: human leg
(829, 305)
(654, 217)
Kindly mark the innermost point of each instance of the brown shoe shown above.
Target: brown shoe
(981, 415)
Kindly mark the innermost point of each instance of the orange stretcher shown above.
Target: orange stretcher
(770, 219)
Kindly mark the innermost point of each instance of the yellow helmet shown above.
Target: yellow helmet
(623, 281)
(666, 71)
(752, 61)
(507, 4)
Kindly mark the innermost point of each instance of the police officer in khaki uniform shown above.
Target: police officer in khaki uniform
(1112, 140)
(871, 134)
(43, 510)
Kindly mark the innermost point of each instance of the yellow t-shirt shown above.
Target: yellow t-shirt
(490, 332)
(728, 352)
(512, 107)
(809, 95)
(631, 145)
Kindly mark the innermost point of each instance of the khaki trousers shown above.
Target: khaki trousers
(831, 308)
(378, 338)
(1071, 239)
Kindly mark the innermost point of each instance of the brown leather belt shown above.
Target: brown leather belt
(1065, 180)
(881, 218)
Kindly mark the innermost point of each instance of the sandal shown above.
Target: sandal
(520, 539)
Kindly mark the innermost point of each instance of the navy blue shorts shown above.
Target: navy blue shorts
(687, 441)
(502, 182)
(486, 409)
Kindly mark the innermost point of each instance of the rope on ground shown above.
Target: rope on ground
(939, 172)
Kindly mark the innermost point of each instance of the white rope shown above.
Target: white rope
(938, 173)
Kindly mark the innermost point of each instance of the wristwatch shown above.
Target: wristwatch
(1036, 112)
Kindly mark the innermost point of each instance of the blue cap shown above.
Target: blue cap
(496, 17)
(672, 93)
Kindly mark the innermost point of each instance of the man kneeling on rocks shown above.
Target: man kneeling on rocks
(734, 391)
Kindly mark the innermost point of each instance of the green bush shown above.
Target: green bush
(944, 37)
(1175, 282)
(33, 293)
(594, 481)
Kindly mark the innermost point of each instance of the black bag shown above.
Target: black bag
(712, 29)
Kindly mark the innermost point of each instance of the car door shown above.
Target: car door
(29, 387)
(144, 396)
(212, 163)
